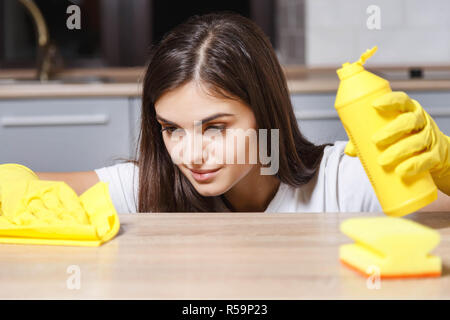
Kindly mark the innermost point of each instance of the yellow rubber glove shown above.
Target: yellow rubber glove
(11, 172)
(50, 212)
(413, 141)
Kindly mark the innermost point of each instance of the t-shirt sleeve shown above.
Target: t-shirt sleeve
(122, 180)
(355, 192)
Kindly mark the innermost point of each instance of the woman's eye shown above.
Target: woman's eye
(216, 128)
(169, 129)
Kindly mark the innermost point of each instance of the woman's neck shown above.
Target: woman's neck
(254, 192)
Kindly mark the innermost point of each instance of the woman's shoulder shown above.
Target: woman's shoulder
(340, 185)
(123, 168)
(354, 192)
(122, 179)
(336, 149)
(337, 161)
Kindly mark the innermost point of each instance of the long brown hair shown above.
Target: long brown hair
(234, 59)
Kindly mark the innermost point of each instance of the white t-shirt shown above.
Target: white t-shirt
(341, 185)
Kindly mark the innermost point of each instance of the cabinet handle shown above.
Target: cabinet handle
(316, 114)
(56, 120)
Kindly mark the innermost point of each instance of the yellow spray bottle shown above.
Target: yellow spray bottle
(357, 89)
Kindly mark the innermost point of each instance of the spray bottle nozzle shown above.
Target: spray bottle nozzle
(366, 55)
(349, 69)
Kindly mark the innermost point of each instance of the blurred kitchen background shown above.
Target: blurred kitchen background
(70, 99)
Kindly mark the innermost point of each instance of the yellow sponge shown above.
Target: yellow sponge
(397, 247)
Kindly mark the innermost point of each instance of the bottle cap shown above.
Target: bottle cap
(349, 69)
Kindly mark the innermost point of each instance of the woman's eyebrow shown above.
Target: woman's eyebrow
(166, 121)
(215, 116)
(207, 119)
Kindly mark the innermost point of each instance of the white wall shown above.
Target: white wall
(412, 32)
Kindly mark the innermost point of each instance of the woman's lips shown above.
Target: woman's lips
(204, 175)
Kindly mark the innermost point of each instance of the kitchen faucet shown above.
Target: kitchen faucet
(47, 51)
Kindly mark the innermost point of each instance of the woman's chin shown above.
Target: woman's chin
(210, 189)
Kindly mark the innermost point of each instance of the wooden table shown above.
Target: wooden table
(213, 256)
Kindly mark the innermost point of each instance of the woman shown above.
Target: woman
(213, 77)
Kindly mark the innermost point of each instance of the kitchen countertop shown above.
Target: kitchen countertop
(28, 91)
(214, 256)
(119, 82)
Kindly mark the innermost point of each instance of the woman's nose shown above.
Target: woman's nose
(194, 149)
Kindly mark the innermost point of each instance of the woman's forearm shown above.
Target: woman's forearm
(78, 181)
(442, 204)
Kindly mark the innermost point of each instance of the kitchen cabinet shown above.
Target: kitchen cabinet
(77, 134)
(317, 119)
(319, 122)
(65, 134)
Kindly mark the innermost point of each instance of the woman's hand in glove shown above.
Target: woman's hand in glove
(413, 142)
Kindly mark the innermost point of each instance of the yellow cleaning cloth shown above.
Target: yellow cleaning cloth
(397, 247)
(35, 211)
